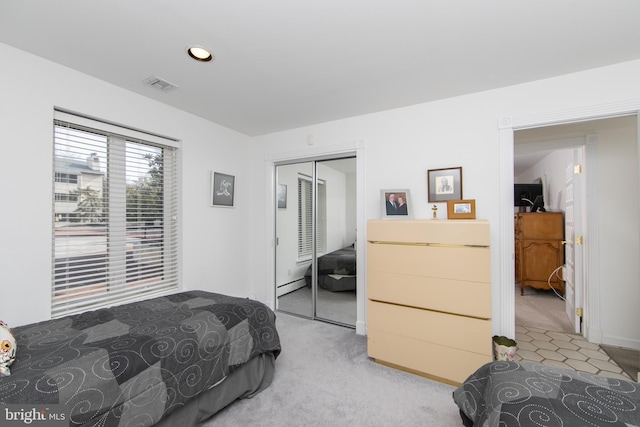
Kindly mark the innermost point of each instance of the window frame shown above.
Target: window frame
(116, 289)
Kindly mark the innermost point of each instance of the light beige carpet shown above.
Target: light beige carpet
(324, 378)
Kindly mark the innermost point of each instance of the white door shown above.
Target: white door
(574, 213)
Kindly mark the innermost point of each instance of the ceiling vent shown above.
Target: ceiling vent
(159, 83)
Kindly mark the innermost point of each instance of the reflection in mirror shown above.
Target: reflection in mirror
(336, 249)
(293, 241)
(335, 287)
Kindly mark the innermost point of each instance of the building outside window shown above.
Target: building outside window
(115, 215)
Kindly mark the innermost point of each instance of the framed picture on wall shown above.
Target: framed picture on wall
(395, 204)
(444, 184)
(282, 196)
(222, 189)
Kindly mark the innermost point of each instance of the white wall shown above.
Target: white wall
(619, 228)
(551, 169)
(214, 239)
(336, 204)
(397, 147)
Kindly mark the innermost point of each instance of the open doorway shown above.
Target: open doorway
(543, 153)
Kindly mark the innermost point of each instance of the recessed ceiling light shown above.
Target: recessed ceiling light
(199, 53)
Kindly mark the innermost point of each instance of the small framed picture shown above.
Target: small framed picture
(444, 184)
(223, 189)
(282, 196)
(395, 204)
(461, 209)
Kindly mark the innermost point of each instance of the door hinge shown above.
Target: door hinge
(579, 311)
(577, 169)
(578, 240)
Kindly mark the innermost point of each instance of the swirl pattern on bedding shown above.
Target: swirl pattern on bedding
(533, 394)
(134, 363)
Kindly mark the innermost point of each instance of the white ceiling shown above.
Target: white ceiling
(282, 64)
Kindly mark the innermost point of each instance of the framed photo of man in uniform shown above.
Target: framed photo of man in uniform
(444, 184)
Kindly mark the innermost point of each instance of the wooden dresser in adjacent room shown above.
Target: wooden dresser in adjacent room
(429, 296)
(539, 250)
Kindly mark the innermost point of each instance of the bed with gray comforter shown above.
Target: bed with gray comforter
(336, 270)
(533, 394)
(166, 358)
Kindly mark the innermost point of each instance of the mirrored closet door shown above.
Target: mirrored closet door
(293, 247)
(315, 265)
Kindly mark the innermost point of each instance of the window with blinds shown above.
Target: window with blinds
(305, 218)
(115, 236)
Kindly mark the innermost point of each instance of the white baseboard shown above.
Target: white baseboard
(290, 287)
(621, 342)
(361, 328)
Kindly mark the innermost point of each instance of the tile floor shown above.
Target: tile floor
(564, 350)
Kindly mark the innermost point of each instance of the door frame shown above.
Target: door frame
(575, 213)
(503, 297)
(355, 148)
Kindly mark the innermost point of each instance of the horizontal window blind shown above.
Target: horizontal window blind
(115, 236)
(305, 218)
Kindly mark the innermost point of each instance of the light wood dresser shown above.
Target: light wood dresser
(429, 296)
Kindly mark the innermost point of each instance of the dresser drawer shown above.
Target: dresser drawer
(450, 262)
(446, 364)
(444, 346)
(447, 330)
(467, 232)
(446, 295)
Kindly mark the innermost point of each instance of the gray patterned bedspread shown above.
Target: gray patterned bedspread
(533, 394)
(134, 363)
(337, 263)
